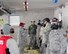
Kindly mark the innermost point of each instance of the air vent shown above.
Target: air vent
(3, 9)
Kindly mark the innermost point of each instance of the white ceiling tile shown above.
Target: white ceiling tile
(33, 4)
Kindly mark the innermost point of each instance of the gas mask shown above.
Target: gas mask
(54, 25)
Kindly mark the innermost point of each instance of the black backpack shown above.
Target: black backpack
(7, 51)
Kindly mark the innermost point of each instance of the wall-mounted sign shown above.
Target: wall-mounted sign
(14, 20)
(54, 1)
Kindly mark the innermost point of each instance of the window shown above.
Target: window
(60, 17)
(14, 20)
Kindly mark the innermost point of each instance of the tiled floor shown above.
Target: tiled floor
(30, 51)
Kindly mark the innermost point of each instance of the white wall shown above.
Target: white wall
(26, 17)
(57, 12)
(64, 15)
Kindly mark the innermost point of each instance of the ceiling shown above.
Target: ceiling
(33, 4)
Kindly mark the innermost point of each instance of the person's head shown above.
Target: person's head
(54, 24)
(46, 20)
(6, 29)
(21, 24)
(54, 20)
(12, 30)
(32, 22)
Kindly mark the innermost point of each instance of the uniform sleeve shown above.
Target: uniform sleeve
(63, 44)
(47, 28)
(41, 31)
(29, 30)
(36, 26)
(12, 45)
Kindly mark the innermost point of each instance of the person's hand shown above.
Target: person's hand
(39, 37)
(45, 45)
(28, 35)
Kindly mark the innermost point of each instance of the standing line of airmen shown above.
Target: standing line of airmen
(52, 36)
(48, 37)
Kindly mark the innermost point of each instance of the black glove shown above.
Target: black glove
(45, 45)
(7, 51)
